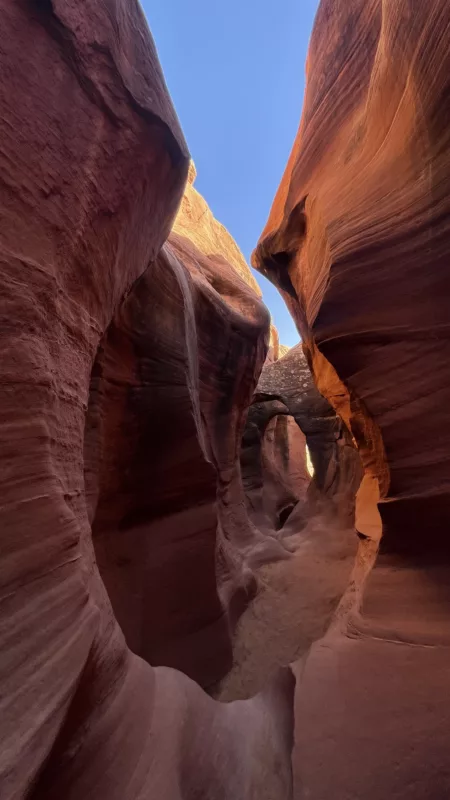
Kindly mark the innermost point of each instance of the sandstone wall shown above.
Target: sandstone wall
(171, 384)
(93, 165)
(358, 243)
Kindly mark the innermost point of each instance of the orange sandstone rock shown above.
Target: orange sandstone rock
(358, 241)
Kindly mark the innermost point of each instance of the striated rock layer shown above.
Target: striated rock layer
(358, 241)
(92, 165)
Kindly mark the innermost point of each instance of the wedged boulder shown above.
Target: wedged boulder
(358, 242)
(288, 413)
(93, 165)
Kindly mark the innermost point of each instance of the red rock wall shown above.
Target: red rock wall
(358, 242)
(92, 165)
(169, 392)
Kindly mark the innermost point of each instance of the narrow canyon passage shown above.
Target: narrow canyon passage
(224, 562)
(310, 509)
(293, 608)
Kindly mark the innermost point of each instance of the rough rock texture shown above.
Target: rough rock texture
(287, 403)
(358, 242)
(92, 166)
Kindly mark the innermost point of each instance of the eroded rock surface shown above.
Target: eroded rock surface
(358, 242)
(93, 165)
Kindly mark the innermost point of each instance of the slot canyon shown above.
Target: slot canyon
(223, 560)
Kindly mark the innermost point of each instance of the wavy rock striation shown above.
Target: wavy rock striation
(93, 165)
(358, 243)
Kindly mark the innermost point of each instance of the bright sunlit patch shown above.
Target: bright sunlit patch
(309, 464)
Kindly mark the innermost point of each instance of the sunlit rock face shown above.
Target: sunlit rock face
(358, 242)
(106, 335)
(359, 216)
(196, 222)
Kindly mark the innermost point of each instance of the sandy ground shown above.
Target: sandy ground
(292, 609)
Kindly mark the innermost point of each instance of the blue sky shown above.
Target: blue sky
(236, 71)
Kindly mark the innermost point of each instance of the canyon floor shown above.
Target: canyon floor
(294, 605)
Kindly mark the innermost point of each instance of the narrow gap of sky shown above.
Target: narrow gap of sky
(236, 73)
